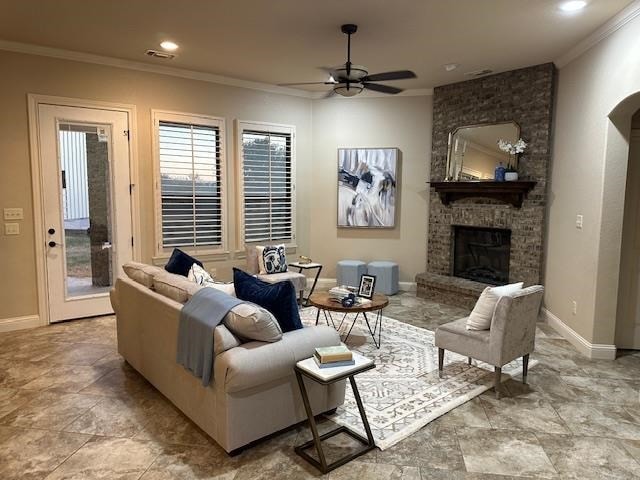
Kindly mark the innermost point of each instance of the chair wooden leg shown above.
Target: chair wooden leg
(440, 361)
(469, 360)
(496, 381)
(525, 367)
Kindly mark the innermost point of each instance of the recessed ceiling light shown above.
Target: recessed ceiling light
(450, 67)
(573, 5)
(169, 46)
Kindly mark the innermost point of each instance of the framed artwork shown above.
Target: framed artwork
(367, 286)
(367, 187)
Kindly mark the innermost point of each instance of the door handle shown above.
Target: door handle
(106, 245)
(52, 244)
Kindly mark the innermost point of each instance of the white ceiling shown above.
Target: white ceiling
(277, 41)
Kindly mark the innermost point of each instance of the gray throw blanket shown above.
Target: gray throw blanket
(198, 318)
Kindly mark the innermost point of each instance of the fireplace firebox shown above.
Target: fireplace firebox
(481, 254)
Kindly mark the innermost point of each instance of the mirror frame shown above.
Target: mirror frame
(452, 133)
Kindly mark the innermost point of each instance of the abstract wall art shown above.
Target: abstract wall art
(367, 187)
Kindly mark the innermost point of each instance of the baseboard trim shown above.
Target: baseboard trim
(324, 283)
(19, 323)
(594, 351)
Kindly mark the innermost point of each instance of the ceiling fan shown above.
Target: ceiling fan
(350, 79)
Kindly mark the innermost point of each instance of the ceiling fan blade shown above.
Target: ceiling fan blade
(331, 93)
(304, 83)
(381, 88)
(397, 75)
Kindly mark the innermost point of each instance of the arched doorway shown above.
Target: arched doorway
(628, 312)
(612, 216)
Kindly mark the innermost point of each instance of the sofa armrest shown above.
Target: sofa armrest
(256, 363)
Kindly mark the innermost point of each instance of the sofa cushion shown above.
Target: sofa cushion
(252, 322)
(141, 272)
(175, 287)
(224, 340)
(279, 298)
(180, 262)
(482, 314)
(256, 363)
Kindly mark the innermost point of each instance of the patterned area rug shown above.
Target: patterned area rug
(403, 393)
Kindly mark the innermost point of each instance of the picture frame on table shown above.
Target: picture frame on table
(367, 286)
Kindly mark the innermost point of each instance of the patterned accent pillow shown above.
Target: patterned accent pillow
(199, 275)
(274, 258)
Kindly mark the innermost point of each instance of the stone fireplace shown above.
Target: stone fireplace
(526, 97)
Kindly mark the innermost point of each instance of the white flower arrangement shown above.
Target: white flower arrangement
(512, 148)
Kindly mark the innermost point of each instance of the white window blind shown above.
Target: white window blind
(268, 186)
(190, 184)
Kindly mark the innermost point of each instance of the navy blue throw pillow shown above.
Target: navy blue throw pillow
(180, 263)
(279, 298)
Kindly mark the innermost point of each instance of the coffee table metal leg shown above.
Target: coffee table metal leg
(312, 421)
(352, 325)
(377, 327)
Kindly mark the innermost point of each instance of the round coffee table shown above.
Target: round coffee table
(326, 304)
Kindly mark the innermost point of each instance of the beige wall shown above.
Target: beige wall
(23, 74)
(582, 265)
(403, 122)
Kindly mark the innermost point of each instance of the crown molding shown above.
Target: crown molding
(625, 16)
(31, 49)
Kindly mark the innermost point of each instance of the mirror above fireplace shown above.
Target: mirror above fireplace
(473, 153)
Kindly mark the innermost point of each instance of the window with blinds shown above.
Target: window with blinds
(190, 184)
(268, 185)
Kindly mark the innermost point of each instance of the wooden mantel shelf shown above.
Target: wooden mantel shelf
(508, 192)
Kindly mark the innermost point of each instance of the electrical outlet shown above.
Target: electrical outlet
(574, 307)
(12, 229)
(579, 222)
(13, 214)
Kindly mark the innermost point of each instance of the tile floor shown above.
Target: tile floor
(71, 408)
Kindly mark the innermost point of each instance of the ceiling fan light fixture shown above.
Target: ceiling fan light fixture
(348, 89)
(356, 73)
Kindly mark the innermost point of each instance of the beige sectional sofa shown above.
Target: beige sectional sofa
(254, 391)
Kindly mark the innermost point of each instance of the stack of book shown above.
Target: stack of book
(339, 356)
(338, 293)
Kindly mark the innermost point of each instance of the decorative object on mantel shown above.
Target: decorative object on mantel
(514, 150)
(474, 153)
(510, 174)
(367, 184)
(508, 192)
(499, 173)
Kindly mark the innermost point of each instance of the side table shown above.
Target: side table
(307, 266)
(325, 376)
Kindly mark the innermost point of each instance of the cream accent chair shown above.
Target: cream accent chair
(298, 280)
(512, 334)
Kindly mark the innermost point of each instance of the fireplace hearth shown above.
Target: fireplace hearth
(481, 254)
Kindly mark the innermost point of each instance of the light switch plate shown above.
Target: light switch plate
(12, 229)
(13, 214)
(579, 221)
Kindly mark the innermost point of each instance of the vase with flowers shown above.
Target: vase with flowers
(514, 150)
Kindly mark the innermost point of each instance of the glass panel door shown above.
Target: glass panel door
(86, 208)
